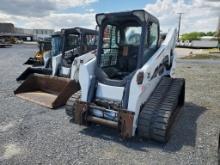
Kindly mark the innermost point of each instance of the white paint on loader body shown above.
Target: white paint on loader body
(46, 58)
(74, 70)
(76, 64)
(109, 92)
(86, 72)
(55, 63)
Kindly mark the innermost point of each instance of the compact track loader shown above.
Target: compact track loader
(129, 85)
(53, 89)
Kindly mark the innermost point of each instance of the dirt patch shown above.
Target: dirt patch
(10, 151)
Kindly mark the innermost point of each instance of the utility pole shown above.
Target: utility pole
(180, 17)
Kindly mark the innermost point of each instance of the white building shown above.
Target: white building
(203, 42)
(38, 34)
(9, 30)
(41, 34)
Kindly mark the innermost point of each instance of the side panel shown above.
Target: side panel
(86, 72)
(170, 44)
(173, 68)
(46, 57)
(55, 63)
(140, 93)
(76, 64)
(109, 92)
(153, 71)
(65, 70)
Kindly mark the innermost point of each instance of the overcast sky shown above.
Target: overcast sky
(199, 15)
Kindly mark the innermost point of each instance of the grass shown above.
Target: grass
(202, 56)
(216, 50)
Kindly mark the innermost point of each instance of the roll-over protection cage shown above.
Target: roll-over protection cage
(79, 31)
(141, 16)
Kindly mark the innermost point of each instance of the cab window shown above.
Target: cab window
(91, 40)
(72, 41)
(150, 43)
(153, 35)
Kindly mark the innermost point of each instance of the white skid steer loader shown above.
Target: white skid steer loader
(52, 87)
(129, 85)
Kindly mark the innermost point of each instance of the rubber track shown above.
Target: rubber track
(69, 107)
(159, 112)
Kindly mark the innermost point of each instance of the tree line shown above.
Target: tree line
(196, 35)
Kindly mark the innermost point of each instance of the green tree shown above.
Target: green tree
(218, 33)
(195, 35)
(218, 37)
(190, 36)
(202, 34)
(210, 33)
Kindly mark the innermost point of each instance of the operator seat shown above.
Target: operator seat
(132, 60)
(127, 62)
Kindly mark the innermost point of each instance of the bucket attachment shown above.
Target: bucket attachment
(30, 71)
(48, 91)
(34, 62)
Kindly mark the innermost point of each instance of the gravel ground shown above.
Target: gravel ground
(183, 52)
(31, 134)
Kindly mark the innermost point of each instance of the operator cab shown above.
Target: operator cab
(127, 40)
(77, 41)
(44, 46)
(56, 43)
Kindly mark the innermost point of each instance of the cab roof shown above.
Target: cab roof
(79, 30)
(141, 15)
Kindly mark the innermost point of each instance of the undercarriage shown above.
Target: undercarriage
(156, 117)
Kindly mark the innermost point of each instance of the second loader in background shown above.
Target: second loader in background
(38, 59)
(45, 64)
(61, 81)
